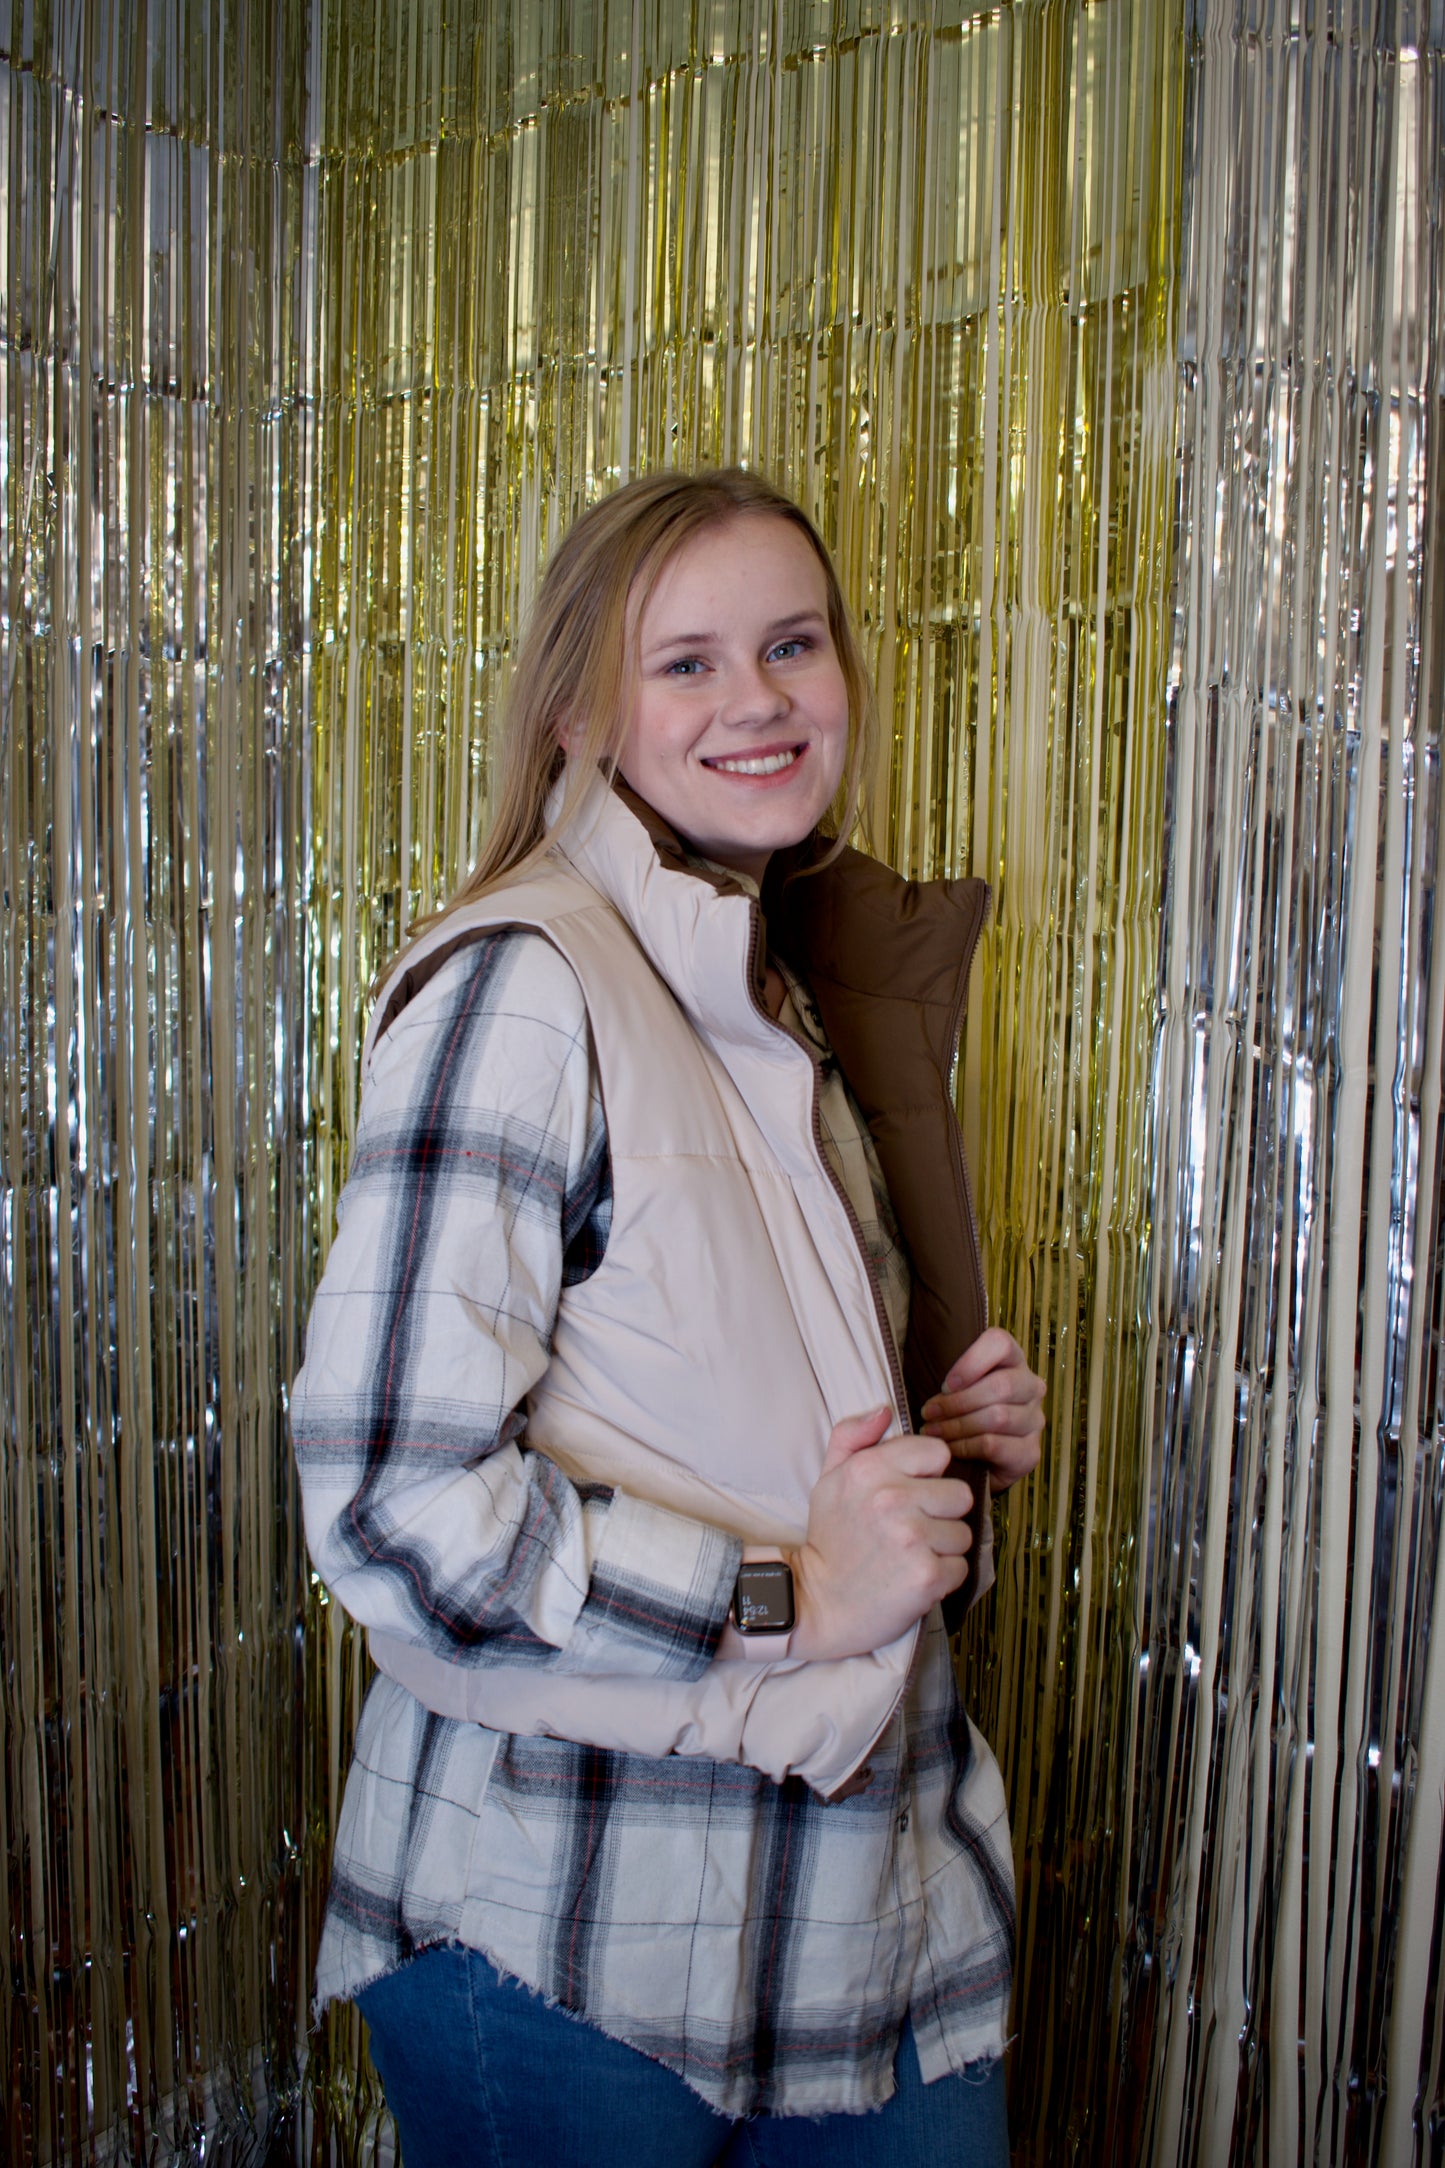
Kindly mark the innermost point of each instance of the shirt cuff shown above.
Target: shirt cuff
(660, 1589)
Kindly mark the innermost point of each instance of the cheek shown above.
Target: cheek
(656, 740)
(835, 774)
(635, 752)
(838, 746)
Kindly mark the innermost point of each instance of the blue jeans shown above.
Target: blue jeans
(481, 2073)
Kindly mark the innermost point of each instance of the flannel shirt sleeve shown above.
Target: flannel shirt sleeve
(479, 1188)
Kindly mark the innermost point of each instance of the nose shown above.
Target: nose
(753, 697)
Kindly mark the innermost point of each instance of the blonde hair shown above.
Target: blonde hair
(574, 668)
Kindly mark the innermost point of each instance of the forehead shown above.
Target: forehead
(741, 563)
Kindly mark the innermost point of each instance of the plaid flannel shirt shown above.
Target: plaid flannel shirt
(766, 1945)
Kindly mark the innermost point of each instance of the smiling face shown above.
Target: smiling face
(739, 726)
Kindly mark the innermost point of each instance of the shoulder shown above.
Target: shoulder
(483, 964)
(502, 996)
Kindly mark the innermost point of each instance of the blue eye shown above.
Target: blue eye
(786, 649)
(685, 666)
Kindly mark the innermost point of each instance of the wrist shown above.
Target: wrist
(810, 1636)
(831, 1625)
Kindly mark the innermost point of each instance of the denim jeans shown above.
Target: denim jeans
(481, 2073)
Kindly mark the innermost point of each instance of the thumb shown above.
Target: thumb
(854, 1435)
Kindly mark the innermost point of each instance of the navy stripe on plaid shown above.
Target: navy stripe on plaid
(680, 1636)
(786, 1862)
(424, 1156)
(584, 1883)
(995, 1879)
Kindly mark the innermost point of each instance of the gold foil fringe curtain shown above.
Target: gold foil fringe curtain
(319, 323)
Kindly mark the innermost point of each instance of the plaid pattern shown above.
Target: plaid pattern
(761, 1942)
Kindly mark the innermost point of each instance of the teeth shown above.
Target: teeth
(769, 765)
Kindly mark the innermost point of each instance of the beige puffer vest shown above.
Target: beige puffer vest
(733, 1319)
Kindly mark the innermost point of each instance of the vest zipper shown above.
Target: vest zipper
(890, 1346)
(885, 1326)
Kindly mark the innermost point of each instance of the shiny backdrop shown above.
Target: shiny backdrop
(159, 1217)
(1104, 342)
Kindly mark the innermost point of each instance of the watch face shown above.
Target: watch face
(763, 1602)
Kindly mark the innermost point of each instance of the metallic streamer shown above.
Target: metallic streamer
(154, 1244)
(320, 320)
(1281, 1982)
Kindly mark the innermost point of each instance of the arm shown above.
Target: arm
(478, 1188)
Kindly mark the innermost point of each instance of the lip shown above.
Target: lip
(797, 746)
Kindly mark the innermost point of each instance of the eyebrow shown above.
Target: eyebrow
(705, 639)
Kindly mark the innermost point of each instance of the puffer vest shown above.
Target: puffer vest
(734, 1318)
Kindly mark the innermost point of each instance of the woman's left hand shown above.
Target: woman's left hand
(991, 1408)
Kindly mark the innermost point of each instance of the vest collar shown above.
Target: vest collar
(859, 929)
(700, 929)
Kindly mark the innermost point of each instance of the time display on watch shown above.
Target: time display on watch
(763, 1598)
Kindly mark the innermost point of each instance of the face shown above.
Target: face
(740, 718)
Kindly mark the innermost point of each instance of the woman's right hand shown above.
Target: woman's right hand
(887, 1539)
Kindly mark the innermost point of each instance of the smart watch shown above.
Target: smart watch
(763, 1598)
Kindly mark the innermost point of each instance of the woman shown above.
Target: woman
(655, 1249)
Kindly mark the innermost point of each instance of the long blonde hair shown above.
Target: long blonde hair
(574, 668)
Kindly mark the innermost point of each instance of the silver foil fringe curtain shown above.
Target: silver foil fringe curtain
(159, 1226)
(1103, 338)
(1289, 1752)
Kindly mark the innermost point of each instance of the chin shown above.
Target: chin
(762, 844)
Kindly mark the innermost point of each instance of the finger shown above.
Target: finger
(938, 1497)
(1005, 1382)
(949, 1539)
(944, 1497)
(1002, 1463)
(1000, 1391)
(854, 1435)
(992, 1350)
(1003, 1474)
(996, 1452)
(910, 1456)
(976, 1425)
(952, 1573)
